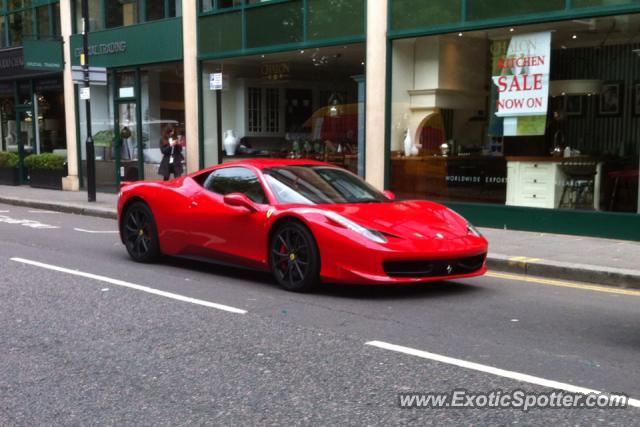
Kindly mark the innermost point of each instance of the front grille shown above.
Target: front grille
(434, 268)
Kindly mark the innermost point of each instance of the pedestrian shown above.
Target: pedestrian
(171, 156)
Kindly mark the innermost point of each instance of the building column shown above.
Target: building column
(376, 64)
(191, 78)
(70, 182)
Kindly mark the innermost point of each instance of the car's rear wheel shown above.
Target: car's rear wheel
(140, 233)
(294, 257)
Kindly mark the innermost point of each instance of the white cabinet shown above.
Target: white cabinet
(534, 184)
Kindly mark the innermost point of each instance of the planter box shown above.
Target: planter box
(9, 176)
(51, 179)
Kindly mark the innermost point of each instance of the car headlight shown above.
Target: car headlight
(372, 235)
(472, 230)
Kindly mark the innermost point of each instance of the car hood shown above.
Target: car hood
(414, 219)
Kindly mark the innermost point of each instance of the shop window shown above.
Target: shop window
(297, 104)
(540, 116)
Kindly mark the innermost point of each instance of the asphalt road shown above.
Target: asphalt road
(77, 350)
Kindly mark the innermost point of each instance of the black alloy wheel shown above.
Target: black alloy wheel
(140, 233)
(294, 257)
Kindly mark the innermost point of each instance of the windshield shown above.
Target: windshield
(319, 184)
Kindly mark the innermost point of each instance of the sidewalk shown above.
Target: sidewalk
(575, 258)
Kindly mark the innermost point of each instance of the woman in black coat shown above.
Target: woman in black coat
(172, 157)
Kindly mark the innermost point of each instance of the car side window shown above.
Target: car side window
(236, 180)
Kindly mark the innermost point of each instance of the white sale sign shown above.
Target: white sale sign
(523, 80)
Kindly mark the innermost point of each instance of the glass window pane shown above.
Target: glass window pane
(418, 13)
(601, 3)
(3, 40)
(220, 32)
(43, 22)
(95, 15)
(56, 20)
(19, 4)
(121, 12)
(224, 4)
(155, 9)
(207, 5)
(487, 9)
(331, 19)
(273, 25)
(295, 104)
(175, 8)
(20, 27)
(162, 106)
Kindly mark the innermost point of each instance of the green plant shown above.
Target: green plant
(47, 161)
(104, 138)
(8, 160)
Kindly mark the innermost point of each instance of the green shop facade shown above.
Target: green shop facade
(567, 162)
(31, 92)
(520, 115)
(140, 48)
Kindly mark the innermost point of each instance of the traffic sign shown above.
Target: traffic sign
(97, 75)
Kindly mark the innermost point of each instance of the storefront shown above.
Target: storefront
(530, 126)
(31, 107)
(142, 102)
(288, 84)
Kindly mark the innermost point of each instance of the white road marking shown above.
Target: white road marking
(4, 211)
(26, 222)
(491, 370)
(132, 286)
(44, 212)
(82, 230)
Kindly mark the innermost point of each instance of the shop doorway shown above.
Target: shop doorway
(129, 166)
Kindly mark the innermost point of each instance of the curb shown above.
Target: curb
(108, 213)
(606, 276)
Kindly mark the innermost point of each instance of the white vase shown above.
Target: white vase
(230, 142)
(408, 144)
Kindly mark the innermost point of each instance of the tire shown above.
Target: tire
(294, 257)
(140, 233)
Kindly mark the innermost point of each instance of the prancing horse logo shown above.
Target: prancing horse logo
(449, 269)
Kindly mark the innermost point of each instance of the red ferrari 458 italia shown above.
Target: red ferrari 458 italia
(305, 221)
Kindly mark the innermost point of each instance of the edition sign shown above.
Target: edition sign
(521, 77)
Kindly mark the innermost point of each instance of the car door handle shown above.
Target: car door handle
(193, 204)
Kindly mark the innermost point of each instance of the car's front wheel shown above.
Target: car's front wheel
(140, 233)
(294, 257)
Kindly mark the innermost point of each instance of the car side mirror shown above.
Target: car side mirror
(389, 194)
(240, 200)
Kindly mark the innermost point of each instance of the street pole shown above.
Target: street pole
(84, 61)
